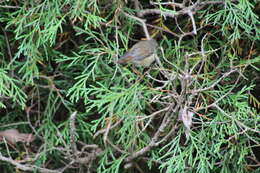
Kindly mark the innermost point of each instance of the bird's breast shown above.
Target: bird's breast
(146, 62)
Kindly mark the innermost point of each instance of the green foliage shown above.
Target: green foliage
(10, 89)
(236, 19)
(58, 57)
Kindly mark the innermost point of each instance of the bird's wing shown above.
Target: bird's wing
(124, 59)
(139, 53)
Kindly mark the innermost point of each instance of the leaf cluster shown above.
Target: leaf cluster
(58, 57)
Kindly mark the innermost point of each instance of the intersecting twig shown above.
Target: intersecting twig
(142, 21)
(26, 167)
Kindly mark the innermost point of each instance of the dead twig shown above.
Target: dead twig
(155, 139)
(27, 167)
(104, 130)
(142, 21)
(73, 133)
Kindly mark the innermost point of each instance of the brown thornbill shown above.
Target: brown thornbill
(142, 53)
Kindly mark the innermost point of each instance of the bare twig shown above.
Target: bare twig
(116, 147)
(9, 6)
(28, 110)
(73, 132)
(142, 21)
(170, 134)
(14, 124)
(194, 8)
(193, 22)
(8, 48)
(240, 124)
(214, 84)
(27, 167)
(107, 129)
(155, 113)
(104, 130)
(7, 44)
(180, 5)
(162, 29)
(219, 99)
(154, 141)
(214, 2)
(158, 11)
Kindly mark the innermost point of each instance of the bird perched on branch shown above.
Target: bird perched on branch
(142, 53)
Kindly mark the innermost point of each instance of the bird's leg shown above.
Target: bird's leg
(147, 71)
(137, 72)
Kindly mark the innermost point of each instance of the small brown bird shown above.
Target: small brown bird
(142, 53)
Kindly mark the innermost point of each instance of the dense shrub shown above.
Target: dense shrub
(188, 112)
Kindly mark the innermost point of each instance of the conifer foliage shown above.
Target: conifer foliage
(66, 105)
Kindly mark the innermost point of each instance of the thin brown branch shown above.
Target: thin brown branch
(28, 110)
(142, 21)
(156, 113)
(107, 129)
(153, 143)
(116, 148)
(219, 99)
(214, 84)
(180, 5)
(27, 167)
(170, 134)
(240, 124)
(104, 130)
(164, 30)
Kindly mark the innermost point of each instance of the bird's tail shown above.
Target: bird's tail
(124, 59)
